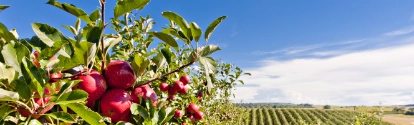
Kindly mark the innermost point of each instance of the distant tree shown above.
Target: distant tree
(327, 107)
(411, 109)
(398, 109)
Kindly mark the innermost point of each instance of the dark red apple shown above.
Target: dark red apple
(200, 96)
(184, 90)
(39, 107)
(164, 87)
(178, 114)
(115, 103)
(94, 84)
(171, 91)
(144, 92)
(36, 54)
(90, 104)
(198, 115)
(178, 85)
(192, 108)
(170, 98)
(185, 79)
(119, 74)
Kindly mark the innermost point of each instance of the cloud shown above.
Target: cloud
(362, 77)
(400, 32)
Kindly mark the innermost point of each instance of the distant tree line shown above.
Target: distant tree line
(274, 105)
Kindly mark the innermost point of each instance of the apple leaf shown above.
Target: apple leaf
(14, 32)
(209, 67)
(34, 122)
(7, 72)
(74, 96)
(110, 42)
(8, 95)
(165, 115)
(5, 34)
(86, 114)
(125, 6)
(63, 116)
(23, 89)
(139, 64)
(137, 109)
(95, 15)
(3, 7)
(123, 123)
(195, 31)
(33, 75)
(93, 34)
(166, 38)
(168, 55)
(48, 34)
(180, 21)
(212, 26)
(13, 53)
(5, 110)
(72, 9)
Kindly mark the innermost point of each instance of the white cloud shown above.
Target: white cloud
(358, 78)
(400, 32)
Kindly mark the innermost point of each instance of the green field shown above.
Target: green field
(299, 116)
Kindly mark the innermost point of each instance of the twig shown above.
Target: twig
(176, 70)
(102, 39)
(21, 104)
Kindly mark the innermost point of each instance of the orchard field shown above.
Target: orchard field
(306, 116)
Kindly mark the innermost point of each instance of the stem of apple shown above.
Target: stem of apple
(102, 39)
(21, 104)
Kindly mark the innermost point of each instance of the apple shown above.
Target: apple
(119, 74)
(94, 84)
(198, 115)
(185, 79)
(200, 96)
(192, 108)
(191, 117)
(36, 54)
(183, 123)
(164, 87)
(170, 98)
(115, 103)
(54, 77)
(178, 85)
(144, 92)
(184, 90)
(171, 91)
(178, 114)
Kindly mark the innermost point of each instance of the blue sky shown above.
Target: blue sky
(285, 43)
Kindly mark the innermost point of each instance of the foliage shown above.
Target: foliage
(326, 107)
(27, 64)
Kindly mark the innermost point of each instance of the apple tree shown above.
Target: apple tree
(125, 77)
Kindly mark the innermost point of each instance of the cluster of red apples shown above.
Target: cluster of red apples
(111, 90)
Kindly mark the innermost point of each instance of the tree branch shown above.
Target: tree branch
(102, 39)
(174, 71)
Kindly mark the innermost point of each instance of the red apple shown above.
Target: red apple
(191, 117)
(90, 104)
(36, 63)
(185, 79)
(36, 54)
(54, 77)
(170, 98)
(183, 123)
(164, 87)
(94, 84)
(184, 90)
(192, 108)
(178, 114)
(119, 74)
(178, 85)
(115, 103)
(198, 115)
(39, 106)
(144, 92)
(171, 91)
(200, 96)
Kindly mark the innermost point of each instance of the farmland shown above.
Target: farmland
(295, 116)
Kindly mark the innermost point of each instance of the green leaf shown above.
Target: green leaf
(74, 96)
(111, 42)
(36, 43)
(2, 7)
(95, 15)
(72, 9)
(90, 55)
(34, 122)
(168, 112)
(166, 38)
(7, 72)
(63, 116)
(86, 114)
(210, 67)
(48, 34)
(8, 95)
(93, 34)
(71, 29)
(14, 32)
(168, 55)
(139, 64)
(5, 110)
(125, 6)
(212, 26)
(195, 31)
(180, 21)
(5, 34)
(207, 50)
(137, 109)
(23, 89)
(33, 75)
